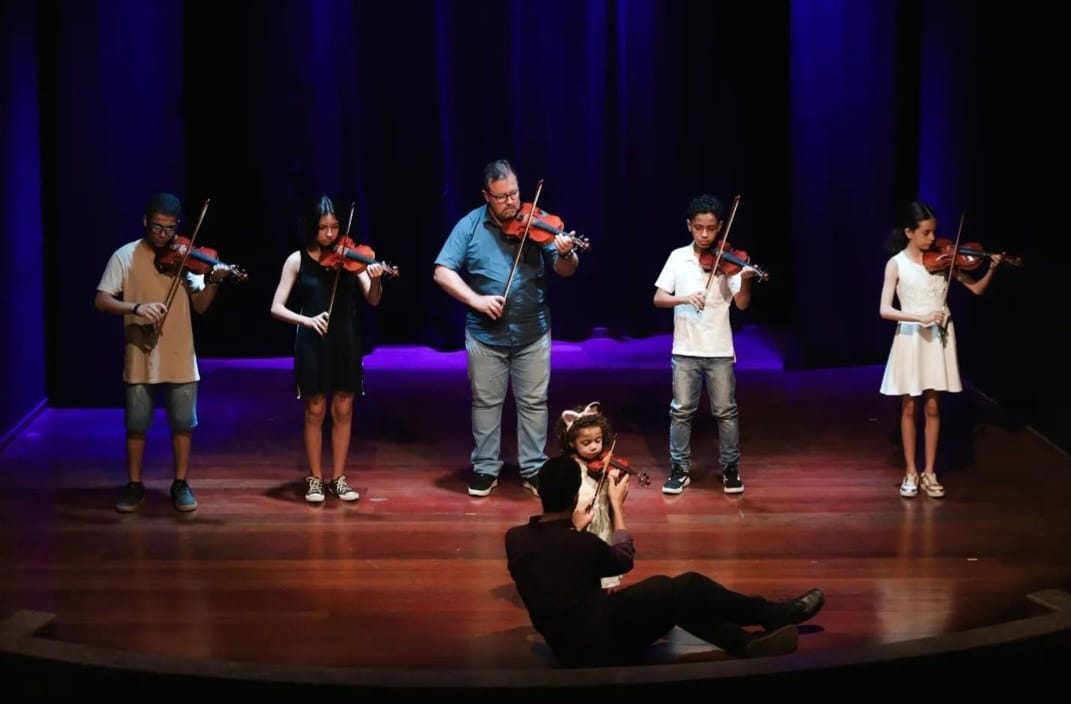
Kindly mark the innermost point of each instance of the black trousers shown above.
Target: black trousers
(646, 611)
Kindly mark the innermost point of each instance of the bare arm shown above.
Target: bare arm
(451, 282)
(107, 303)
(568, 259)
(201, 300)
(890, 312)
(742, 298)
(371, 283)
(665, 299)
(617, 491)
(279, 311)
(978, 286)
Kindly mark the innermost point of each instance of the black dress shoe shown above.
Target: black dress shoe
(805, 607)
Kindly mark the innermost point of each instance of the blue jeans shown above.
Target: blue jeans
(179, 399)
(689, 374)
(491, 371)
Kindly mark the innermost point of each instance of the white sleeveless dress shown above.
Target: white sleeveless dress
(920, 357)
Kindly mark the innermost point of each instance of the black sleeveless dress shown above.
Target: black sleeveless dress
(332, 362)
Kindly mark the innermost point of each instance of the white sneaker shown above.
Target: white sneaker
(314, 490)
(910, 486)
(931, 486)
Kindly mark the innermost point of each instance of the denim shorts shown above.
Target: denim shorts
(180, 400)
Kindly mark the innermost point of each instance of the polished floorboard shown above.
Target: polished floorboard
(413, 575)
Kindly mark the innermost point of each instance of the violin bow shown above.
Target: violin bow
(524, 239)
(952, 269)
(605, 473)
(338, 271)
(182, 267)
(721, 248)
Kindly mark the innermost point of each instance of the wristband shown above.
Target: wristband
(135, 310)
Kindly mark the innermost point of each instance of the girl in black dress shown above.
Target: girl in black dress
(327, 348)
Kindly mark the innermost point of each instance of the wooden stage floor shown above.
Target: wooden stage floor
(413, 576)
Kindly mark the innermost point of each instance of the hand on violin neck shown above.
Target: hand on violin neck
(564, 244)
(617, 490)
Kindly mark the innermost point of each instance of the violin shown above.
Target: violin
(598, 465)
(349, 255)
(968, 256)
(545, 227)
(200, 260)
(732, 261)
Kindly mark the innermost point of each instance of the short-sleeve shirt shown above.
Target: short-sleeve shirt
(483, 256)
(695, 334)
(131, 271)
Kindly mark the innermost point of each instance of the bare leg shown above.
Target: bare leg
(315, 409)
(341, 425)
(907, 434)
(135, 453)
(932, 411)
(180, 449)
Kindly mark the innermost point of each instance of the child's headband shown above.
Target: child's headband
(570, 417)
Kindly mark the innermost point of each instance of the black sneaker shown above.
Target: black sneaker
(532, 484)
(731, 483)
(182, 496)
(342, 489)
(132, 496)
(678, 479)
(482, 484)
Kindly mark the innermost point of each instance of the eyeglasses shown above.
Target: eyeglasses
(157, 228)
(503, 197)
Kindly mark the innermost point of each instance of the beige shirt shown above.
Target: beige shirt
(153, 359)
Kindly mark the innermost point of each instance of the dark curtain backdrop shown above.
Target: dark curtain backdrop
(823, 115)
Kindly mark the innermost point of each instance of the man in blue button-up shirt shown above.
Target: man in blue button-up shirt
(507, 327)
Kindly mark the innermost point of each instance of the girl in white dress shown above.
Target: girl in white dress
(922, 361)
(584, 434)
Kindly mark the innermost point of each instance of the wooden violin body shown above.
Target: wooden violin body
(355, 258)
(731, 261)
(178, 253)
(596, 468)
(968, 256)
(545, 227)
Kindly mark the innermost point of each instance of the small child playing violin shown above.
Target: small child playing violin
(922, 361)
(583, 433)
